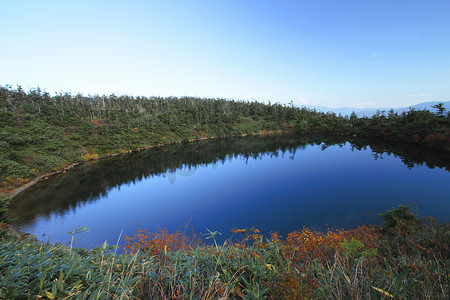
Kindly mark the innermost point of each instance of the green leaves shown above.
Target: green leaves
(30, 268)
(79, 230)
(401, 214)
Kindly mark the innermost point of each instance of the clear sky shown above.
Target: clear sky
(332, 53)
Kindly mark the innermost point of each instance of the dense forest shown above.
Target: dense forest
(41, 133)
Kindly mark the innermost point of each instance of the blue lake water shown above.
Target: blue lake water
(271, 183)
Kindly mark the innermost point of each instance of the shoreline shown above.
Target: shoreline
(20, 189)
(12, 193)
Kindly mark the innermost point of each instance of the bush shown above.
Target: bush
(391, 218)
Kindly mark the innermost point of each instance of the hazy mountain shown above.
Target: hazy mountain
(369, 112)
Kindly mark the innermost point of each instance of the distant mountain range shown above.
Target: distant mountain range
(369, 112)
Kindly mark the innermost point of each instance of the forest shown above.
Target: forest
(42, 133)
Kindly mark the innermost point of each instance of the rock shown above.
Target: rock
(12, 230)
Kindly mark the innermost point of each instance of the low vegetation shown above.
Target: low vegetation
(407, 258)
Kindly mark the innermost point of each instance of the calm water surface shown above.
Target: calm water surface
(272, 183)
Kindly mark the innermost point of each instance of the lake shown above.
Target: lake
(274, 183)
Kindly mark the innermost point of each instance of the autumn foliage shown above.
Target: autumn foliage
(307, 244)
(156, 243)
(363, 262)
(287, 276)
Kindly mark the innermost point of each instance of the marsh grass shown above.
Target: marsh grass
(409, 260)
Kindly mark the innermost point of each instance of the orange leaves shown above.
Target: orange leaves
(95, 123)
(306, 244)
(301, 246)
(254, 230)
(275, 237)
(284, 266)
(155, 243)
(235, 230)
(251, 236)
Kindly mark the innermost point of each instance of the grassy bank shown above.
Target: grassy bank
(407, 258)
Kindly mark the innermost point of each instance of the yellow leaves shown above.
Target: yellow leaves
(16, 181)
(271, 268)
(347, 278)
(90, 156)
(382, 291)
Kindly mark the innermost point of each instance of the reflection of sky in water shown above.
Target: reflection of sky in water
(314, 188)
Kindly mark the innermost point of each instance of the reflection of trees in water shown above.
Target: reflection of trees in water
(89, 181)
(410, 155)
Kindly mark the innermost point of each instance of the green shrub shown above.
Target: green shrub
(391, 218)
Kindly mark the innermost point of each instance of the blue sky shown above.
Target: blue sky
(326, 53)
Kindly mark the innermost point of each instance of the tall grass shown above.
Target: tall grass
(406, 259)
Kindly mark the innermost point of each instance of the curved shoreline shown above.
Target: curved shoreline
(18, 190)
(14, 192)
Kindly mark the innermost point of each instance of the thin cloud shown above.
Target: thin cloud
(303, 101)
(420, 95)
(374, 55)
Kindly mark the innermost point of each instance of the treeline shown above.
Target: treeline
(40, 133)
